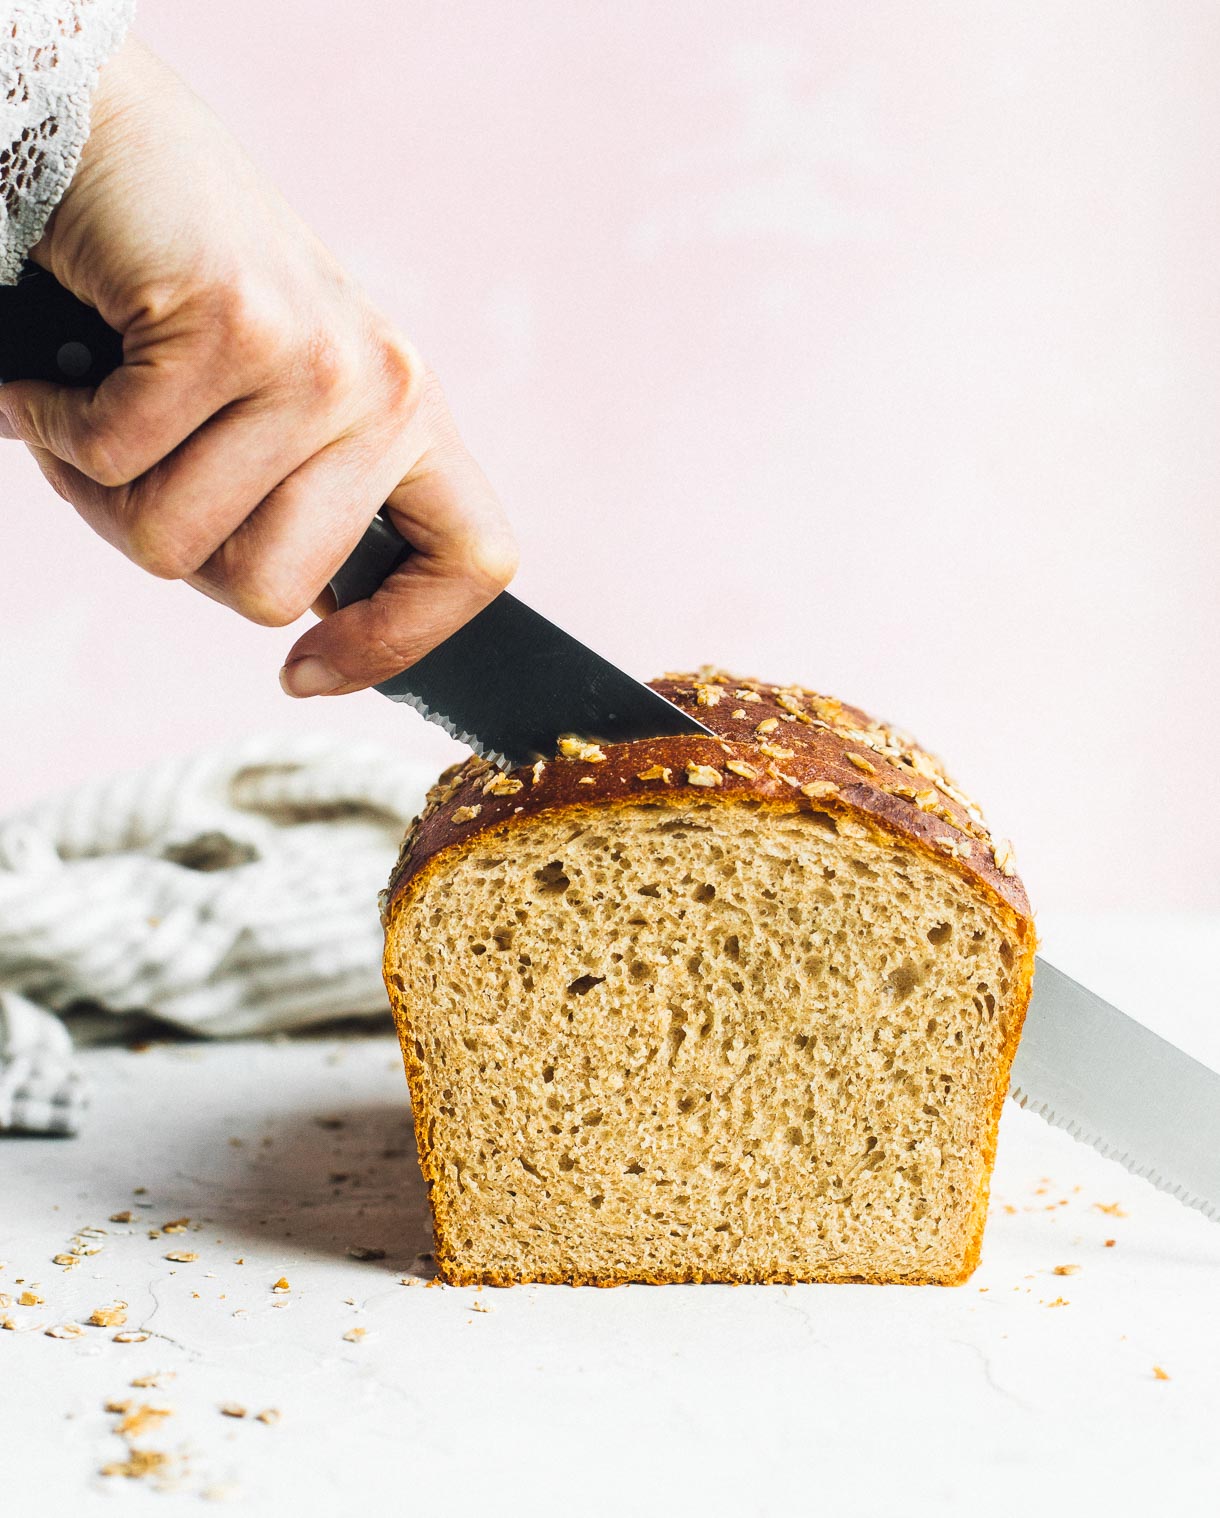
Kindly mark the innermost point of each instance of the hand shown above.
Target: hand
(264, 411)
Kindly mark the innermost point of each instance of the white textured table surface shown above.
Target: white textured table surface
(996, 1397)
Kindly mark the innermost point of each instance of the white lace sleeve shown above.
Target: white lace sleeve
(50, 54)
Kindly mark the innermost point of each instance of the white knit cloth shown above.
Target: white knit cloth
(233, 892)
(50, 55)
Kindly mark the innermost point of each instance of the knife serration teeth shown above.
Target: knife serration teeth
(471, 740)
(1184, 1195)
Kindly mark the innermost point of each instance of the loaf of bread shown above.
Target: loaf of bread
(732, 1008)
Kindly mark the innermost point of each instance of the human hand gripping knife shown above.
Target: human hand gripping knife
(510, 683)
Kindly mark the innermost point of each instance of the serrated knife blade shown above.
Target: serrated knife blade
(1110, 1082)
(510, 682)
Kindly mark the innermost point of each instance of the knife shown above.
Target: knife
(1110, 1082)
(509, 683)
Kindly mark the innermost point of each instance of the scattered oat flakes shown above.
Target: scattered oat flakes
(862, 763)
(155, 1379)
(707, 695)
(536, 770)
(740, 767)
(182, 1256)
(232, 1410)
(767, 725)
(747, 695)
(178, 1225)
(466, 813)
(926, 801)
(109, 1317)
(354, 1335)
(65, 1331)
(586, 780)
(1160, 1373)
(774, 751)
(65, 1259)
(739, 715)
(1066, 1270)
(502, 785)
(268, 1415)
(282, 1284)
(703, 774)
(572, 747)
(363, 1252)
(817, 788)
(1005, 859)
(121, 1217)
(131, 1336)
(656, 772)
(30, 1299)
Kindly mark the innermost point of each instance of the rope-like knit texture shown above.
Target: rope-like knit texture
(228, 893)
(50, 54)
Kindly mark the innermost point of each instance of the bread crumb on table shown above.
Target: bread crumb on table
(232, 1410)
(139, 1462)
(1160, 1373)
(354, 1335)
(121, 1217)
(268, 1415)
(281, 1284)
(139, 1420)
(1066, 1270)
(132, 1336)
(182, 1256)
(65, 1331)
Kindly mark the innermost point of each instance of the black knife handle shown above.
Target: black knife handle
(46, 333)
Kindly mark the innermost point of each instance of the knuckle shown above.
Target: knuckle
(266, 599)
(106, 456)
(247, 319)
(405, 376)
(492, 559)
(328, 368)
(159, 551)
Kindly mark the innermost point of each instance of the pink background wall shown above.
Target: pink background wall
(875, 347)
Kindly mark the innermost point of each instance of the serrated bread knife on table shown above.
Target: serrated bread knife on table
(510, 683)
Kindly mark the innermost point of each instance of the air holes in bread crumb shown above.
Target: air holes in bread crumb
(551, 879)
(939, 934)
(583, 984)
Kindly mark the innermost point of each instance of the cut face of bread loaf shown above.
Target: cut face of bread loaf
(709, 1009)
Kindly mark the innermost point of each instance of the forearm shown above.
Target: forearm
(50, 55)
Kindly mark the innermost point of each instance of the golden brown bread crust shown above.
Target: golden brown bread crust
(780, 747)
